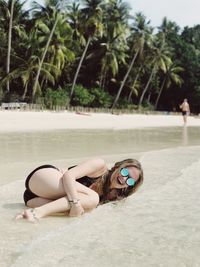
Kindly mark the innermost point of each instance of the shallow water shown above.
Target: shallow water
(158, 226)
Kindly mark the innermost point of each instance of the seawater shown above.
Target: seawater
(157, 226)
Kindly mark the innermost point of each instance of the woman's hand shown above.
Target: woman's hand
(76, 210)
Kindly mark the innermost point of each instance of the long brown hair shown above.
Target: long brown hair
(104, 182)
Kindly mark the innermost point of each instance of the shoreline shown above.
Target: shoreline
(25, 121)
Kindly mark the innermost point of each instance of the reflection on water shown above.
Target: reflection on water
(185, 135)
(76, 143)
(66, 147)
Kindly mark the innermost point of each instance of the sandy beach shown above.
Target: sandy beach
(157, 226)
(12, 121)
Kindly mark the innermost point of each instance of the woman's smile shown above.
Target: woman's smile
(118, 181)
(121, 180)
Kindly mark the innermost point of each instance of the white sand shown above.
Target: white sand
(11, 121)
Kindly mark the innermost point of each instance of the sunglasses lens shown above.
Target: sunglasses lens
(124, 172)
(130, 181)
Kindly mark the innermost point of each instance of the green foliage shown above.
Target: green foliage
(82, 97)
(55, 98)
(125, 104)
(113, 38)
(147, 106)
(196, 97)
(101, 98)
(95, 97)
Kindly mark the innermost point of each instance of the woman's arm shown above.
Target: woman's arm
(89, 198)
(93, 167)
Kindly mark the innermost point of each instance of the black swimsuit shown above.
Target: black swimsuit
(85, 180)
(28, 194)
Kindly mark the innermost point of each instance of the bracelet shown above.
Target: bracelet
(74, 201)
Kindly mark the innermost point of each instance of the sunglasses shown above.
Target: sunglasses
(129, 181)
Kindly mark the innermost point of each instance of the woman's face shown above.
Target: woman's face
(118, 181)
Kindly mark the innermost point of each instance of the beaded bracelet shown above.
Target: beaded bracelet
(74, 201)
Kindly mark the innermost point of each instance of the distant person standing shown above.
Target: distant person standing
(185, 108)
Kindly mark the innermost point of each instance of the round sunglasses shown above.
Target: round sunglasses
(129, 181)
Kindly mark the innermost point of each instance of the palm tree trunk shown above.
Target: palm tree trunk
(146, 87)
(136, 78)
(43, 57)
(103, 77)
(79, 66)
(159, 94)
(149, 97)
(124, 80)
(9, 43)
(25, 91)
(103, 71)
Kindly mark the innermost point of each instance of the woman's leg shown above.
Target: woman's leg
(47, 183)
(37, 202)
(44, 207)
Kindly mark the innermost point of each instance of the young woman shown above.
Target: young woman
(80, 188)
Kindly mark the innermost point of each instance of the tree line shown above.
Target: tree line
(94, 53)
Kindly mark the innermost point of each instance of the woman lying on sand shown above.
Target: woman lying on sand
(80, 188)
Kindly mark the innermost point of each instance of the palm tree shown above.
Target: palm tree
(159, 59)
(74, 17)
(92, 15)
(141, 34)
(59, 52)
(135, 83)
(42, 41)
(111, 47)
(9, 42)
(12, 18)
(27, 70)
(51, 12)
(8, 9)
(171, 76)
(43, 57)
(168, 28)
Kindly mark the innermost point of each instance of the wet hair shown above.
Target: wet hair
(125, 192)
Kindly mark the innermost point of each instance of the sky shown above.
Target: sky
(183, 12)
